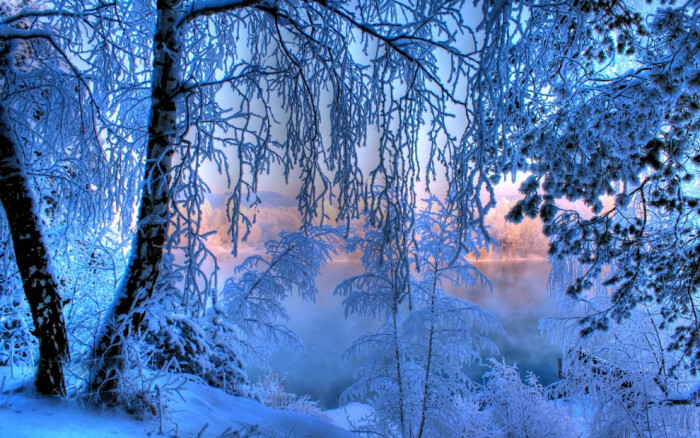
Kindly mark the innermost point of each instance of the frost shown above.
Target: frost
(111, 114)
(411, 370)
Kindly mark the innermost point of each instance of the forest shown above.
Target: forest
(176, 176)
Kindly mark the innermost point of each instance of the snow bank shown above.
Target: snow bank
(24, 414)
(350, 413)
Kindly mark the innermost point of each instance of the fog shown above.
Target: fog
(519, 299)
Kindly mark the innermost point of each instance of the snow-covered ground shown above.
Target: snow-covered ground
(350, 413)
(200, 411)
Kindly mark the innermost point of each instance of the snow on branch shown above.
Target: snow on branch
(203, 8)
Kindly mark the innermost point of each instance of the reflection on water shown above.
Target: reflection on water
(519, 299)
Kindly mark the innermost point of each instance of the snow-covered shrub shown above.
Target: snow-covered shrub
(271, 392)
(624, 381)
(518, 409)
(206, 347)
(183, 345)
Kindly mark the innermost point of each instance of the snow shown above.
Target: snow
(350, 413)
(25, 414)
(7, 32)
(691, 393)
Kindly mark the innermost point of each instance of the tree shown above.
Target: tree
(623, 381)
(278, 62)
(45, 128)
(151, 235)
(412, 369)
(602, 108)
(31, 255)
(253, 298)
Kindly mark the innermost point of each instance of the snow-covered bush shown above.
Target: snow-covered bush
(518, 409)
(207, 346)
(186, 346)
(623, 384)
(271, 392)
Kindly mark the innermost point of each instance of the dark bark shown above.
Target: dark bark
(125, 315)
(32, 258)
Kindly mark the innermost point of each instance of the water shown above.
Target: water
(519, 299)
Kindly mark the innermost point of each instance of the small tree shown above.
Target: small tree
(411, 370)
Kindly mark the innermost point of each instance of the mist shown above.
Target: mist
(517, 269)
(518, 298)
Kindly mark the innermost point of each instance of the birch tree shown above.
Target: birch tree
(149, 243)
(275, 65)
(50, 160)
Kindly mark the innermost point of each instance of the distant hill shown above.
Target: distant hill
(268, 199)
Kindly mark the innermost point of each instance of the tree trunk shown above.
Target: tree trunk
(429, 356)
(399, 378)
(125, 314)
(32, 257)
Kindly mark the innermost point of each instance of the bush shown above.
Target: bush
(520, 409)
(272, 394)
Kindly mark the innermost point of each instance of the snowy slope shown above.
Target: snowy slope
(24, 414)
(351, 413)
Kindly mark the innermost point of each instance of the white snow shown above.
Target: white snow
(25, 414)
(691, 393)
(351, 413)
